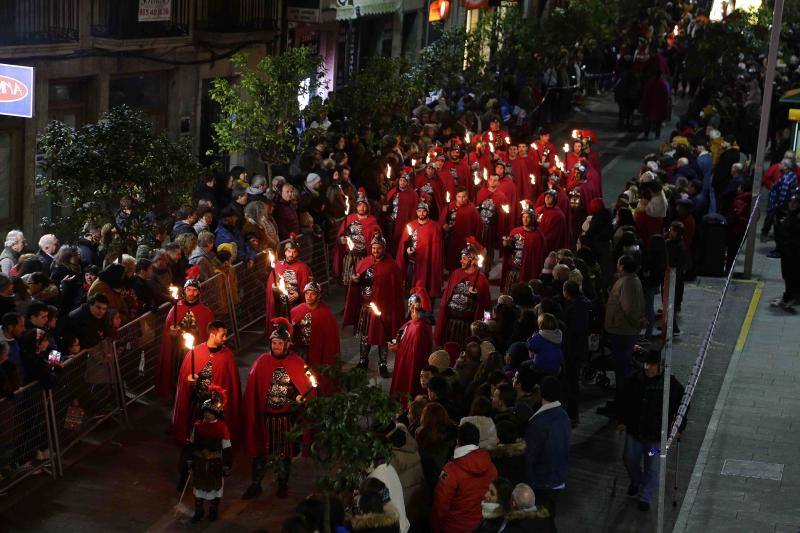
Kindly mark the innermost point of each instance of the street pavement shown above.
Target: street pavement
(123, 478)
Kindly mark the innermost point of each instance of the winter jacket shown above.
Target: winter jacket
(408, 465)
(493, 518)
(115, 299)
(778, 193)
(787, 233)
(385, 522)
(388, 476)
(547, 440)
(89, 252)
(535, 520)
(204, 260)
(180, 227)
(545, 346)
(8, 258)
(286, 219)
(509, 459)
(89, 330)
(625, 306)
(642, 400)
(46, 259)
(459, 493)
(228, 234)
(487, 430)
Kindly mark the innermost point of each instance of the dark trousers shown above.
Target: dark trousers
(654, 125)
(621, 353)
(548, 498)
(790, 272)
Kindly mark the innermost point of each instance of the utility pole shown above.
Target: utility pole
(761, 146)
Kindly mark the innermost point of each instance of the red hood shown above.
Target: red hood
(475, 463)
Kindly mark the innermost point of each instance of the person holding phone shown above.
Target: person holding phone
(39, 363)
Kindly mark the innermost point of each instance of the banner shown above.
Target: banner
(155, 10)
(16, 91)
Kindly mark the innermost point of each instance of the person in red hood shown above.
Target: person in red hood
(400, 208)
(412, 346)
(462, 485)
(316, 334)
(354, 234)
(738, 214)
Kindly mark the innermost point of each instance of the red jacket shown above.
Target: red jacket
(459, 492)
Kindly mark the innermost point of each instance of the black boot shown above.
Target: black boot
(383, 356)
(213, 510)
(363, 355)
(258, 469)
(283, 478)
(199, 511)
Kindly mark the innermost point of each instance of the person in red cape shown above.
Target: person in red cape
(400, 207)
(465, 298)
(521, 173)
(593, 158)
(316, 334)
(208, 363)
(277, 386)
(430, 187)
(377, 280)
(295, 275)
(509, 189)
(479, 159)
(412, 346)
(354, 233)
(497, 136)
(188, 315)
(552, 222)
(525, 252)
(463, 220)
(579, 192)
(575, 155)
(422, 252)
(456, 166)
(554, 181)
(495, 220)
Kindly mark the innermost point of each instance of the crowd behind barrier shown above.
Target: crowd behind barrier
(38, 427)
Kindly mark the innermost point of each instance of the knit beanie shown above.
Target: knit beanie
(440, 359)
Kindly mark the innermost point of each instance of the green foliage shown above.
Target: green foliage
(260, 111)
(380, 95)
(89, 169)
(343, 446)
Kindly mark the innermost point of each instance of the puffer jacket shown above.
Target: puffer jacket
(509, 459)
(625, 306)
(459, 493)
(386, 522)
(529, 521)
(408, 465)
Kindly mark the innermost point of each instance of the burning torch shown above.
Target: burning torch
(175, 294)
(188, 341)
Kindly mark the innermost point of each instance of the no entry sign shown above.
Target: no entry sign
(16, 91)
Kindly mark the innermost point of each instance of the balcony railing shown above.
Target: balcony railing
(38, 21)
(230, 16)
(119, 19)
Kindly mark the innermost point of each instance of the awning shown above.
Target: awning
(364, 8)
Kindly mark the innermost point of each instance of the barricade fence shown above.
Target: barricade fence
(39, 426)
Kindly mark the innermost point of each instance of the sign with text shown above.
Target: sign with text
(16, 91)
(155, 10)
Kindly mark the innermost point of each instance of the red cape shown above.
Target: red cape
(324, 348)
(553, 225)
(302, 273)
(509, 189)
(406, 212)
(387, 293)
(256, 440)
(224, 374)
(368, 226)
(428, 258)
(164, 371)
(436, 194)
(484, 300)
(412, 354)
(499, 199)
(462, 171)
(521, 171)
(578, 214)
(467, 223)
(533, 256)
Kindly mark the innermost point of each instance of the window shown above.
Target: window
(145, 92)
(11, 172)
(68, 102)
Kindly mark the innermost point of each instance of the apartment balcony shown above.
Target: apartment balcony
(118, 20)
(38, 22)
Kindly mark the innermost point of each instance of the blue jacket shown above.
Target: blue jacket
(545, 347)
(547, 438)
(228, 234)
(780, 192)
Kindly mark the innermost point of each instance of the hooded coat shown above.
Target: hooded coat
(460, 490)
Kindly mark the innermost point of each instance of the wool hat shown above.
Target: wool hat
(312, 179)
(440, 359)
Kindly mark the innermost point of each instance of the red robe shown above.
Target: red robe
(503, 220)
(578, 214)
(462, 174)
(521, 171)
(533, 255)
(224, 374)
(166, 367)
(256, 440)
(562, 202)
(407, 202)
(435, 190)
(361, 239)
(296, 275)
(323, 334)
(465, 222)
(509, 189)
(572, 160)
(553, 225)
(595, 165)
(428, 258)
(413, 350)
(484, 163)
(482, 303)
(387, 293)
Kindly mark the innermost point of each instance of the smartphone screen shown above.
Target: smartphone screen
(54, 357)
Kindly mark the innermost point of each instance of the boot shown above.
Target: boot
(213, 510)
(258, 469)
(199, 511)
(383, 355)
(283, 478)
(363, 355)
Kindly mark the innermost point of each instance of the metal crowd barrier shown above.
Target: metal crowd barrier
(216, 294)
(314, 252)
(137, 348)
(249, 298)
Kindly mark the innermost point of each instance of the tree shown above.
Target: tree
(88, 170)
(260, 110)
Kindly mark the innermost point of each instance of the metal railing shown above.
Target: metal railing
(119, 19)
(38, 21)
(230, 16)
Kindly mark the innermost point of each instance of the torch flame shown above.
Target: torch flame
(574, 134)
(476, 180)
(508, 139)
(506, 208)
(491, 137)
(447, 197)
(566, 148)
(188, 340)
(282, 286)
(350, 244)
(346, 205)
(533, 179)
(388, 172)
(428, 158)
(559, 164)
(485, 175)
(174, 292)
(413, 163)
(481, 259)
(312, 379)
(467, 137)
(675, 30)
(374, 309)
(271, 258)
(524, 204)
(408, 229)
(491, 147)
(535, 146)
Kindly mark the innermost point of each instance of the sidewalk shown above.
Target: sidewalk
(747, 477)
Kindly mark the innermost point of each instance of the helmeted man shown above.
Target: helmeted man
(422, 252)
(431, 188)
(462, 221)
(506, 184)
(525, 252)
(400, 207)
(187, 315)
(542, 155)
(552, 222)
(377, 280)
(354, 233)
(495, 219)
(412, 345)
(277, 386)
(465, 298)
(522, 174)
(575, 155)
(316, 333)
(456, 166)
(580, 194)
(286, 281)
(207, 363)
